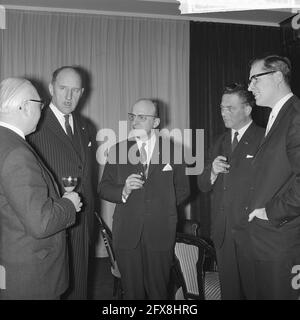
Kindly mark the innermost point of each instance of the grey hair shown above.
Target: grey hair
(11, 90)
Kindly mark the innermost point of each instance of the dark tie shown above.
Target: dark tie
(68, 126)
(143, 159)
(235, 141)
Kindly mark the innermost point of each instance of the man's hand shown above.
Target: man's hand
(74, 197)
(133, 182)
(220, 165)
(259, 213)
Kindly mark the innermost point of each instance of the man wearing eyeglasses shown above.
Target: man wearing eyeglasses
(146, 193)
(226, 174)
(65, 142)
(33, 216)
(274, 207)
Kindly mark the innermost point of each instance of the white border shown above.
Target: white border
(142, 15)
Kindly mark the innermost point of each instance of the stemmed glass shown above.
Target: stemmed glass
(69, 183)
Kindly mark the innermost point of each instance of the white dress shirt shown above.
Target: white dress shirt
(275, 110)
(60, 117)
(149, 147)
(240, 131)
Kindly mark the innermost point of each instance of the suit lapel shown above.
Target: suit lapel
(53, 124)
(81, 132)
(156, 156)
(281, 115)
(245, 140)
(226, 145)
(132, 149)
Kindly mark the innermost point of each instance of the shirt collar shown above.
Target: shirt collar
(240, 131)
(13, 128)
(280, 103)
(57, 112)
(150, 142)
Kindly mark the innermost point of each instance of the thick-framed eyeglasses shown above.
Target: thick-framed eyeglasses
(140, 117)
(41, 102)
(255, 77)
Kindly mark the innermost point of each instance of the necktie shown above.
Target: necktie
(235, 141)
(270, 122)
(68, 126)
(143, 159)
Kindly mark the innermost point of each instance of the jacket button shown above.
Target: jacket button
(80, 167)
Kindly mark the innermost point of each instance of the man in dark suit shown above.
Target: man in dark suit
(64, 142)
(274, 207)
(146, 196)
(227, 174)
(33, 216)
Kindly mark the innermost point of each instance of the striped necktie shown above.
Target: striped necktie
(68, 126)
(143, 159)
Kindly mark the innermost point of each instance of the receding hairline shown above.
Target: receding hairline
(150, 103)
(60, 70)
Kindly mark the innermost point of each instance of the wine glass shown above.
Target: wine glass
(69, 183)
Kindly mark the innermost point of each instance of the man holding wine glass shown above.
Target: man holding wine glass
(146, 196)
(33, 216)
(65, 142)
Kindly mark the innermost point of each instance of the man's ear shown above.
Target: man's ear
(82, 91)
(26, 109)
(156, 123)
(50, 88)
(249, 110)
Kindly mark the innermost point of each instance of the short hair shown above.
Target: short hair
(276, 63)
(74, 68)
(242, 91)
(153, 102)
(11, 90)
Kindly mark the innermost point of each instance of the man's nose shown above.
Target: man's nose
(69, 95)
(250, 86)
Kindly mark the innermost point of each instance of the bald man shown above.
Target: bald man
(33, 216)
(65, 142)
(146, 194)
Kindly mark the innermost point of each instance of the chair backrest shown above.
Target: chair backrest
(191, 252)
(107, 239)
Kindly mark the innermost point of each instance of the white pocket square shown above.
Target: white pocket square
(249, 156)
(90, 143)
(167, 167)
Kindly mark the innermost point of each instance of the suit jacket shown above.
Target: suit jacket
(33, 219)
(65, 157)
(276, 187)
(230, 190)
(151, 209)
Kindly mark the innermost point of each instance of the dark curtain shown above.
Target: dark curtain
(290, 39)
(220, 55)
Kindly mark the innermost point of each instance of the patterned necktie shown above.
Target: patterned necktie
(235, 141)
(143, 159)
(68, 126)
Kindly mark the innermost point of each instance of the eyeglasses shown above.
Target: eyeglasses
(256, 76)
(140, 117)
(41, 102)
